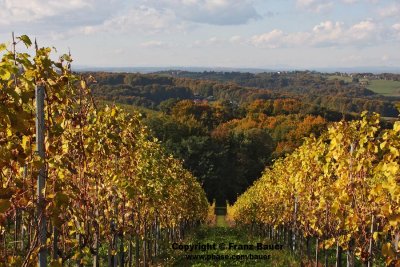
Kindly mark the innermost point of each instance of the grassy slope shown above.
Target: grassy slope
(223, 234)
(221, 221)
(384, 87)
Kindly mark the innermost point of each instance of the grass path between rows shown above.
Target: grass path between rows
(221, 235)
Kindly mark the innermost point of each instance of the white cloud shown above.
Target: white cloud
(212, 41)
(61, 19)
(296, 38)
(272, 39)
(44, 16)
(236, 39)
(154, 44)
(349, 1)
(358, 1)
(13, 11)
(118, 51)
(141, 19)
(363, 31)
(396, 30)
(396, 27)
(326, 33)
(390, 11)
(65, 13)
(217, 12)
(316, 6)
(277, 38)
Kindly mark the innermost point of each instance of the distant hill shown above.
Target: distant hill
(145, 70)
(360, 69)
(311, 88)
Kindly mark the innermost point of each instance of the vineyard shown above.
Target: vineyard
(82, 185)
(85, 184)
(339, 192)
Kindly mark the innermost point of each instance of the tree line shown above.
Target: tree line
(312, 88)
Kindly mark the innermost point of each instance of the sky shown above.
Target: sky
(212, 33)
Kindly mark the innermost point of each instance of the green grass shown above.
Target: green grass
(222, 236)
(221, 221)
(237, 236)
(385, 87)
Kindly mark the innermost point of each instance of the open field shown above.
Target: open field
(221, 221)
(385, 87)
(222, 237)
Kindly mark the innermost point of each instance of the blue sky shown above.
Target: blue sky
(212, 33)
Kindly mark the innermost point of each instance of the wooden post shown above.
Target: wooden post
(121, 249)
(96, 262)
(137, 240)
(18, 213)
(145, 243)
(137, 248)
(272, 233)
(3, 240)
(41, 181)
(130, 251)
(112, 261)
(338, 255)
(316, 252)
(80, 240)
(22, 216)
(371, 243)
(156, 243)
(350, 254)
(294, 224)
(350, 249)
(111, 257)
(17, 224)
(55, 241)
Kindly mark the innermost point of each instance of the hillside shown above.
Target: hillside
(314, 89)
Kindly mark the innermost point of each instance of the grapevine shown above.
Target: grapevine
(109, 185)
(341, 190)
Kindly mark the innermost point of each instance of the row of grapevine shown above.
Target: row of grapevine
(211, 216)
(340, 191)
(112, 195)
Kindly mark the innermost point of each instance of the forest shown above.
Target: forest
(315, 89)
(228, 126)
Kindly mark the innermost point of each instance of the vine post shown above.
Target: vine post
(41, 181)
